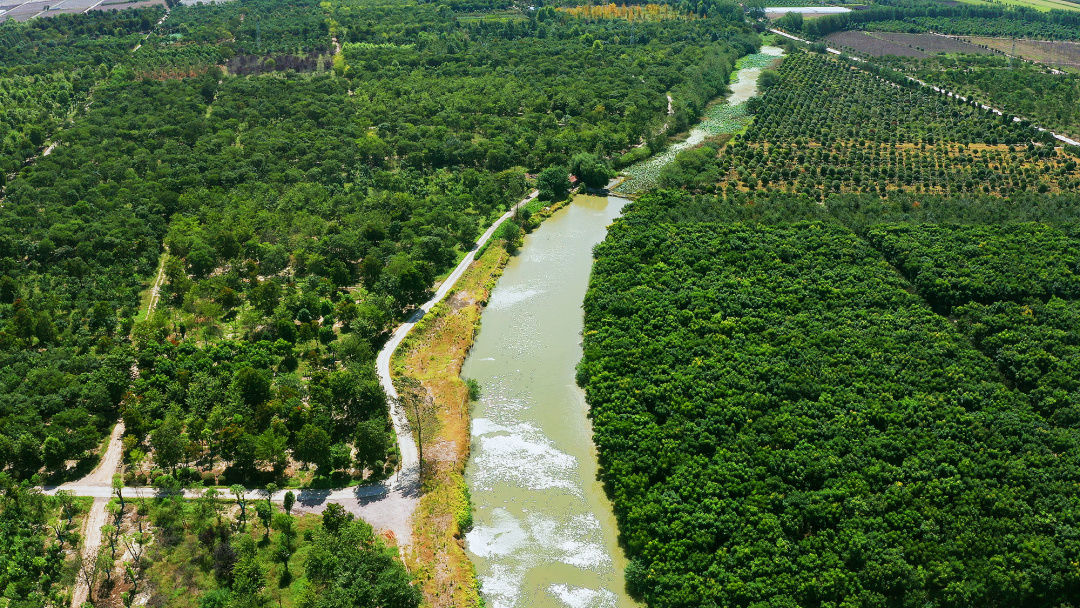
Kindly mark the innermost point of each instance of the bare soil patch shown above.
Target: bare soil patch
(932, 43)
(244, 65)
(1051, 52)
(865, 44)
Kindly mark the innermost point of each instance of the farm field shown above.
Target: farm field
(1039, 5)
(949, 18)
(867, 43)
(1044, 96)
(829, 127)
(23, 11)
(1059, 53)
(900, 44)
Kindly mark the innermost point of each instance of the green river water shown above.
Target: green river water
(544, 533)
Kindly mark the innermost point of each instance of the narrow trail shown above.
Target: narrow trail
(155, 288)
(388, 506)
(936, 89)
(98, 483)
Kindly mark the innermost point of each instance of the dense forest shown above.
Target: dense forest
(831, 364)
(951, 18)
(782, 363)
(293, 216)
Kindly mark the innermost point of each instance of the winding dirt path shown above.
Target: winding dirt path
(98, 483)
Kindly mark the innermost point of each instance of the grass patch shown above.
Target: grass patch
(1040, 5)
(433, 354)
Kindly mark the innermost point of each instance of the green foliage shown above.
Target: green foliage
(768, 79)
(780, 422)
(474, 388)
(34, 107)
(32, 556)
(791, 21)
(553, 183)
(592, 171)
(302, 213)
(961, 18)
(1050, 99)
(350, 567)
(206, 561)
(250, 26)
(952, 265)
(67, 41)
(1037, 348)
(828, 127)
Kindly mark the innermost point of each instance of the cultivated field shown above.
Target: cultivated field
(902, 45)
(1040, 5)
(20, 10)
(867, 44)
(931, 43)
(1050, 52)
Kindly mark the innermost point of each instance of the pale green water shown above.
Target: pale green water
(544, 533)
(728, 117)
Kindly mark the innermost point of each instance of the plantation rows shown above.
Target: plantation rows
(998, 28)
(960, 18)
(824, 100)
(948, 168)
(827, 127)
(1024, 89)
(782, 423)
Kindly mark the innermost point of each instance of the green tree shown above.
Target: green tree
(553, 183)
(169, 441)
(350, 567)
(590, 169)
(371, 443)
(53, 454)
(768, 79)
(265, 512)
(312, 445)
(252, 386)
(239, 492)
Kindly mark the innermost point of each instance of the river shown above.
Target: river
(727, 117)
(544, 534)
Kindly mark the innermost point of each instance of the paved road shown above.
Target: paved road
(408, 477)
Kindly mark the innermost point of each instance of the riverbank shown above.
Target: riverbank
(432, 355)
(725, 115)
